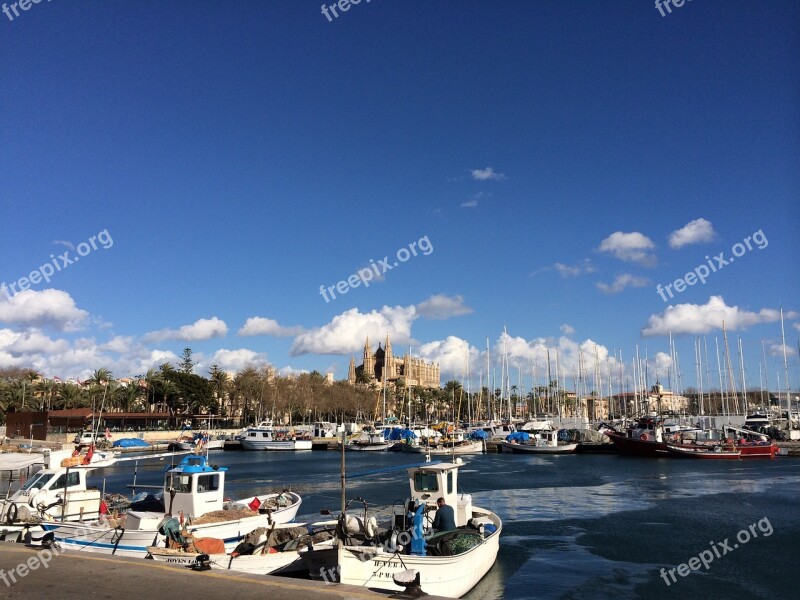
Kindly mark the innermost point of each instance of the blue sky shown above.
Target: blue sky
(561, 159)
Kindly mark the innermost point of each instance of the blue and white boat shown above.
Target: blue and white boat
(194, 491)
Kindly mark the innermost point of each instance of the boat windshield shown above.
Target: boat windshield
(425, 482)
(179, 483)
(37, 482)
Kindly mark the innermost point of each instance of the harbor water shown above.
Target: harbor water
(575, 526)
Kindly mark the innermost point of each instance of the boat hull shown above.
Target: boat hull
(446, 576)
(257, 564)
(469, 448)
(102, 538)
(635, 447)
(703, 453)
(368, 447)
(531, 449)
(276, 445)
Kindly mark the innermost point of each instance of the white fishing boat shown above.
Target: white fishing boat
(368, 440)
(194, 489)
(448, 564)
(543, 442)
(265, 437)
(445, 448)
(263, 552)
(58, 493)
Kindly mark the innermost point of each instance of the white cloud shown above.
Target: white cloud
(487, 174)
(233, 360)
(630, 247)
(440, 306)
(346, 332)
(567, 329)
(264, 326)
(532, 355)
(80, 357)
(289, 371)
(119, 344)
(202, 329)
(567, 271)
(694, 232)
(621, 282)
(777, 350)
(53, 308)
(452, 354)
(469, 204)
(65, 243)
(796, 326)
(704, 318)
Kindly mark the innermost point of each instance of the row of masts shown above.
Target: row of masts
(549, 396)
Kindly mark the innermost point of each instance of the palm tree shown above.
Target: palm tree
(129, 396)
(221, 383)
(151, 380)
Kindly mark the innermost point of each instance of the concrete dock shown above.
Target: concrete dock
(31, 573)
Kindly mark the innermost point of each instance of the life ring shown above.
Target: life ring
(643, 437)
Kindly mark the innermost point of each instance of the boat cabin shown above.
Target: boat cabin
(65, 486)
(432, 481)
(194, 487)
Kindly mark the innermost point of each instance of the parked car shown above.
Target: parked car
(84, 438)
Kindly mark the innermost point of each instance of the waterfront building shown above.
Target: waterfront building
(383, 365)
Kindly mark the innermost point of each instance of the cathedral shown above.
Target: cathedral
(383, 365)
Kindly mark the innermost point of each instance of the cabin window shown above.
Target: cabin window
(449, 489)
(38, 482)
(70, 479)
(425, 482)
(208, 483)
(180, 483)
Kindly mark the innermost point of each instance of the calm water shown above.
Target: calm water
(578, 526)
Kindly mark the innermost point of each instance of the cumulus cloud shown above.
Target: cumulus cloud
(487, 174)
(45, 308)
(694, 232)
(264, 326)
(440, 306)
(202, 329)
(630, 247)
(346, 332)
(621, 282)
(532, 356)
(234, 360)
(452, 354)
(469, 204)
(567, 329)
(704, 318)
(78, 358)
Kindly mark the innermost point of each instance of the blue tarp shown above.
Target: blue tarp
(397, 434)
(479, 434)
(518, 436)
(130, 443)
